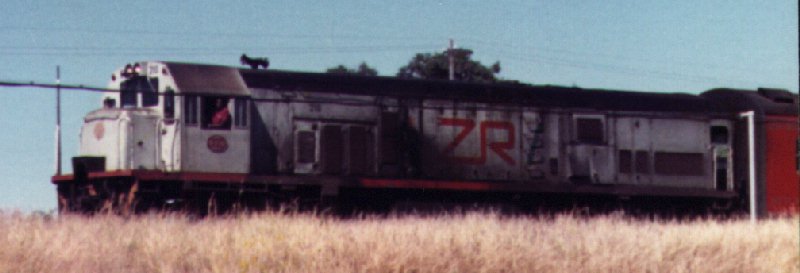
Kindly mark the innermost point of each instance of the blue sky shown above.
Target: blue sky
(653, 46)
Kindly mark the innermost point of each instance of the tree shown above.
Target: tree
(363, 69)
(436, 66)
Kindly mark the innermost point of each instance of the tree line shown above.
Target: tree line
(435, 66)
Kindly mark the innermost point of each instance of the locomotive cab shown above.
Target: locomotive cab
(171, 119)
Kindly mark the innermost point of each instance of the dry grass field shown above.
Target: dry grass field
(480, 242)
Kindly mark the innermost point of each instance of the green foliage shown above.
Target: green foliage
(436, 66)
(362, 69)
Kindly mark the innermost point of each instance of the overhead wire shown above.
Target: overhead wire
(74, 50)
(624, 70)
(512, 52)
(80, 87)
(535, 55)
(604, 55)
(54, 86)
(223, 34)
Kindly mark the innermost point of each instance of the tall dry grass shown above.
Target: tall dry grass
(460, 243)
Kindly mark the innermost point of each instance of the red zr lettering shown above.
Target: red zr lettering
(467, 125)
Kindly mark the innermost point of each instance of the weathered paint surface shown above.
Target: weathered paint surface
(307, 126)
(471, 141)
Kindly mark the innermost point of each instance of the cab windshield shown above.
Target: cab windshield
(130, 88)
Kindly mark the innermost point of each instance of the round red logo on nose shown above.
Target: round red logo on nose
(99, 131)
(217, 144)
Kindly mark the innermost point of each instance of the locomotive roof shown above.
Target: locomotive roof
(208, 79)
(511, 93)
(225, 80)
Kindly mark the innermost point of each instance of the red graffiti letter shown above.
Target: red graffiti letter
(467, 125)
(498, 148)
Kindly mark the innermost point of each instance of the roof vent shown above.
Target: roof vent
(776, 95)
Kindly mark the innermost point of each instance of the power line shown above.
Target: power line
(80, 87)
(526, 49)
(513, 53)
(618, 69)
(115, 51)
(225, 34)
(57, 86)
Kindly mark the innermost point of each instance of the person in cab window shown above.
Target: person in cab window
(221, 117)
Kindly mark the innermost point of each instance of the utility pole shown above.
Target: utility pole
(58, 120)
(451, 62)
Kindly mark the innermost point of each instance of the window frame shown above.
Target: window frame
(169, 104)
(306, 146)
(139, 91)
(717, 132)
(190, 110)
(241, 110)
(150, 94)
(625, 161)
(128, 96)
(577, 135)
(206, 115)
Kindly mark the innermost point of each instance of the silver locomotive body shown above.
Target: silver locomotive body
(191, 134)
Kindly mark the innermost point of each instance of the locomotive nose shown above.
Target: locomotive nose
(125, 139)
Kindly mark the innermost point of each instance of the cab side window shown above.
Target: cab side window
(169, 104)
(216, 113)
(190, 110)
(240, 112)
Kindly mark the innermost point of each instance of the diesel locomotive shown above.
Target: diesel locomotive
(215, 138)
